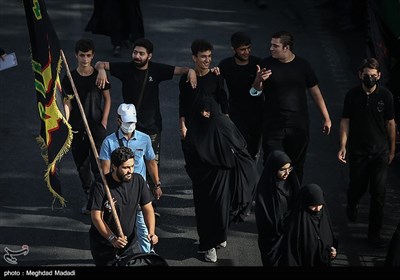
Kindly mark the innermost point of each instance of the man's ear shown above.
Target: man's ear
(150, 55)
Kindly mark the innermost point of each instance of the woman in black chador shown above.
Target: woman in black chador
(308, 238)
(393, 253)
(222, 172)
(275, 196)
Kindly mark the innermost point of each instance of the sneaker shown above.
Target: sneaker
(222, 245)
(211, 255)
(352, 213)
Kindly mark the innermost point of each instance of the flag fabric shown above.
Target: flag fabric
(55, 132)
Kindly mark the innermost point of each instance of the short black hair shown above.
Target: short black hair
(145, 43)
(84, 45)
(370, 63)
(201, 45)
(120, 155)
(240, 39)
(286, 38)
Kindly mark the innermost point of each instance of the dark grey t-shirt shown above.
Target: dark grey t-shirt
(128, 195)
(132, 78)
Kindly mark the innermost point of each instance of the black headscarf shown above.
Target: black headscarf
(215, 139)
(308, 236)
(219, 142)
(274, 199)
(222, 172)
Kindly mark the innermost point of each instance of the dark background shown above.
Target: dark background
(59, 236)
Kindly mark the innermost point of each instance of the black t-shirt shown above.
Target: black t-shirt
(239, 79)
(207, 85)
(90, 95)
(128, 195)
(285, 93)
(368, 115)
(132, 78)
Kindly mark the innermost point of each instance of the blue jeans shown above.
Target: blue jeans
(142, 232)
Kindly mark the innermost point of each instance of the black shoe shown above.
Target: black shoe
(117, 51)
(352, 213)
(376, 241)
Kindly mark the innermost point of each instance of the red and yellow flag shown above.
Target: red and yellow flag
(55, 132)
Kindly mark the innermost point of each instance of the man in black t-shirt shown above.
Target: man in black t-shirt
(239, 72)
(368, 129)
(128, 190)
(96, 103)
(284, 78)
(140, 86)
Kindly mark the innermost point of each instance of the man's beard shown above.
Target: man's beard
(123, 178)
(140, 64)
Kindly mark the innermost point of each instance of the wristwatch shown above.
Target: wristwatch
(254, 91)
(157, 186)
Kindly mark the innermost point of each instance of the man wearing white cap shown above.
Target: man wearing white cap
(140, 144)
(140, 79)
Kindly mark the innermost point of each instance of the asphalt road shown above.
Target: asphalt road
(59, 236)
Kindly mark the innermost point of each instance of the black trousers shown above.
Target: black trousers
(252, 133)
(83, 155)
(292, 141)
(369, 171)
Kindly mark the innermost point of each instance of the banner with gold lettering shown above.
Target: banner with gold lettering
(55, 132)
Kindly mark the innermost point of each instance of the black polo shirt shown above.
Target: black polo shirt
(368, 115)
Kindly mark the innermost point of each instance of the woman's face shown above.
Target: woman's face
(284, 171)
(205, 113)
(315, 208)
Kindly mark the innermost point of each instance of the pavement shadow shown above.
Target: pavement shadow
(177, 248)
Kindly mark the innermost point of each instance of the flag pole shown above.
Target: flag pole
(94, 150)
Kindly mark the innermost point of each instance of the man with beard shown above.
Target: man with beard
(128, 136)
(140, 86)
(368, 126)
(239, 72)
(128, 190)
